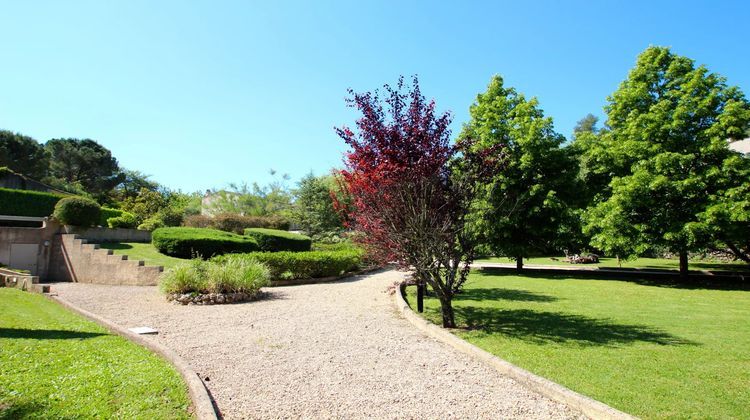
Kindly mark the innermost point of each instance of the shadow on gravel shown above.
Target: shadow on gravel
(46, 334)
(553, 327)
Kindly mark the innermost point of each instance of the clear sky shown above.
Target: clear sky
(200, 94)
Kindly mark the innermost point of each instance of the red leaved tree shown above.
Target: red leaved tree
(411, 189)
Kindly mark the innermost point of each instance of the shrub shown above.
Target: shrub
(236, 223)
(233, 275)
(126, 221)
(27, 203)
(151, 224)
(286, 265)
(273, 240)
(77, 211)
(186, 242)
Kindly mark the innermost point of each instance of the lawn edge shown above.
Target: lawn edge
(586, 405)
(202, 403)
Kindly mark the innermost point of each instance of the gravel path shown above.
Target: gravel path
(334, 350)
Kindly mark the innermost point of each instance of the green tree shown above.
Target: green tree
(86, 163)
(253, 199)
(313, 208)
(23, 154)
(586, 124)
(527, 201)
(132, 183)
(669, 123)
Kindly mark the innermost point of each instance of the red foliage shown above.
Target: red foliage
(410, 187)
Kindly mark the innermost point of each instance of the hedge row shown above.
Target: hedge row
(27, 203)
(273, 240)
(287, 265)
(186, 242)
(120, 218)
(236, 223)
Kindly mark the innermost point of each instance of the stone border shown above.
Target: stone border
(586, 405)
(203, 406)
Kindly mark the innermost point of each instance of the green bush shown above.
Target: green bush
(286, 265)
(233, 275)
(236, 223)
(27, 203)
(273, 240)
(185, 242)
(126, 221)
(77, 211)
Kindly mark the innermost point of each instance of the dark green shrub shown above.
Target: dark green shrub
(186, 242)
(77, 211)
(286, 265)
(273, 240)
(27, 203)
(109, 213)
(232, 222)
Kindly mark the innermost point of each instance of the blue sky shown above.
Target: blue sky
(200, 94)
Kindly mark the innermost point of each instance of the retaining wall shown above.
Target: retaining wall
(100, 234)
(76, 260)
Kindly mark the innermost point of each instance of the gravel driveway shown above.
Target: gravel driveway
(333, 350)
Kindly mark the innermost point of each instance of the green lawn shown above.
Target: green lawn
(142, 251)
(662, 263)
(55, 364)
(650, 351)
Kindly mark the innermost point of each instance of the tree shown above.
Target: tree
(132, 183)
(86, 163)
(528, 201)
(411, 189)
(586, 124)
(253, 199)
(669, 124)
(23, 154)
(313, 206)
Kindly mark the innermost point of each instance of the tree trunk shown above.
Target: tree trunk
(738, 252)
(420, 297)
(519, 264)
(683, 265)
(446, 308)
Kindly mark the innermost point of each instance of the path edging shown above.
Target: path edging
(202, 403)
(586, 405)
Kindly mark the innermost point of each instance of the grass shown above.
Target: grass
(654, 352)
(660, 263)
(55, 364)
(143, 251)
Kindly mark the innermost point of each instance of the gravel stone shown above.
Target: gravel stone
(330, 350)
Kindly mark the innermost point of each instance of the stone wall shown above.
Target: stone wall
(74, 259)
(100, 234)
(41, 237)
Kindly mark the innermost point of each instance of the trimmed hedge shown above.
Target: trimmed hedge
(108, 213)
(27, 203)
(77, 211)
(287, 265)
(272, 240)
(185, 242)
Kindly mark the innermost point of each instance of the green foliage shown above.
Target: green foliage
(27, 203)
(77, 211)
(523, 207)
(132, 183)
(23, 154)
(84, 162)
(237, 223)
(665, 153)
(155, 209)
(231, 275)
(109, 213)
(252, 200)
(185, 242)
(287, 265)
(126, 221)
(273, 240)
(313, 208)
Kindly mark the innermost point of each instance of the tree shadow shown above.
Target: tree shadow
(46, 334)
(20, 410)
(555, 327)
(503, 294)
(116, 245)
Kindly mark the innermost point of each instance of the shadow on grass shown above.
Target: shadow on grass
(115, 245)
(674, 282)
(503, 294)
(553, 327)
(46, 334)
(20, 410)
